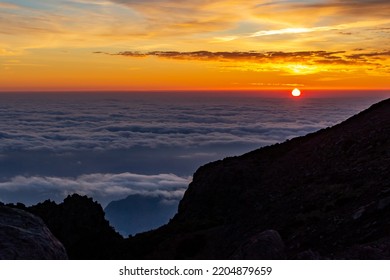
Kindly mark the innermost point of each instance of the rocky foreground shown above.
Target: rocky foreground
(25, 236)
(322, 196)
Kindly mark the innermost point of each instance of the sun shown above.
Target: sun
(296, 92)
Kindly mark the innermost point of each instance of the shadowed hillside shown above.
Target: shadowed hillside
(324, 195)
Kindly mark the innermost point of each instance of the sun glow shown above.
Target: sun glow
(296, 92)
(301, 69)
(213, 45)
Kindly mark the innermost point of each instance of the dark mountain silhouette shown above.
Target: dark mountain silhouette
(138, 213)
(325, 195)
(80, 225)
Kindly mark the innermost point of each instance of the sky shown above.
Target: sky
(131, 45)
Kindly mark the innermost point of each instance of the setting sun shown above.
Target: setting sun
(296, 92)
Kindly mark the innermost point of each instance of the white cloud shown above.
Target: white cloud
(102, 187)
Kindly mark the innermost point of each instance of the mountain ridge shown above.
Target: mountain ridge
(308, 189)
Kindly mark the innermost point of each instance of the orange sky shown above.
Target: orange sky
(192, 45)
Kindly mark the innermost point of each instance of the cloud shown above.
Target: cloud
(92, 2)
(251, 56)
(348, 6)
(195, 6)
(167, 18)
(186, 24)
(123, 122)
(63, 123)
(297, 30)
(11, 6)
(102, 187)
(296, 63)
(62, 24)
(7, 52)
(367, 56)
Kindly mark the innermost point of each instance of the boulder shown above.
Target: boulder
(267, 245)
(24, 236)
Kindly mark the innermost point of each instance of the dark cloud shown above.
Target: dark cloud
(309, 57)
(228, 56)
(369, 55)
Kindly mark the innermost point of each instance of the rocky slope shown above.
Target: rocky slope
(324, 195)
(25, 236)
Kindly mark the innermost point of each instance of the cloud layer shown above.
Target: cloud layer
(102, 187)
(310, 57)
(111, 145)
(309, 61)
(63, 123)
(151, 22)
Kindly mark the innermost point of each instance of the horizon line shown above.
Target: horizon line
(184, 90)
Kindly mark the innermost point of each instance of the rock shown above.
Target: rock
(308, 255)
(383, 203)
(24, 236)
(366, 253)
(267, 245)
(80, 224)
(359, 212)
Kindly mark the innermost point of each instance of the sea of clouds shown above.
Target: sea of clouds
(98, 123)
(111, 145)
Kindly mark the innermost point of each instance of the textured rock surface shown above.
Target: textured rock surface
(265, 245)
(25, 236)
